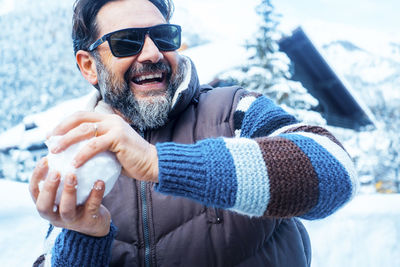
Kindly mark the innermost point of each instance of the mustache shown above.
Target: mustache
(144, 68)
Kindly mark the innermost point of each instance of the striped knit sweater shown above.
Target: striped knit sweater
(273, 167)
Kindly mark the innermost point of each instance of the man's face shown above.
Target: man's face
(140, 87)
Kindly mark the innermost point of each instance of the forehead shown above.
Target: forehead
(123, 14)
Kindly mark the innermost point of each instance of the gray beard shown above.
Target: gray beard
(143, 114)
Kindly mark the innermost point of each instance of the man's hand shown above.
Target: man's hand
(91, 218)
(138, 157)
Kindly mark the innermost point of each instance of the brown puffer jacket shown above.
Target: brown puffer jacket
(160, 230)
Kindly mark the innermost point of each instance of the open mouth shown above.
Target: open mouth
(149, 78)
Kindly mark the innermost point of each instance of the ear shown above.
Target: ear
(87, 65)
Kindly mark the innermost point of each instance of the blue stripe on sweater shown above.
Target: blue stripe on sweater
(204, 172)
(221, 173)
(267, 116)
(334, 182)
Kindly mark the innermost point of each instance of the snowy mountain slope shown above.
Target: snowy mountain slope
(366, 71)
(362, 63)
(37, 65)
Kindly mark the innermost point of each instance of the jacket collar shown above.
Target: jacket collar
(187, 90)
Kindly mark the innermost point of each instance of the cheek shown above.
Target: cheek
(173, 60)
(108, 59)
(119, 66)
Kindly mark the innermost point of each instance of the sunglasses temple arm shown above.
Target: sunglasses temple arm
(97, 43)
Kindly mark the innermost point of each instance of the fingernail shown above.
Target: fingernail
(70, 180)
(49, 134)
(43, 162)
(98, 186)
(55, 149)
(54, 176)
(74, 163)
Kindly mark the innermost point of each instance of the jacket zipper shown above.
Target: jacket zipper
(146, 231)
(218, 218)
(145, 219)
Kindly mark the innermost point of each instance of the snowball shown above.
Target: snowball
(103, 166)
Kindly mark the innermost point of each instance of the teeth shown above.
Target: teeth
(148, 77)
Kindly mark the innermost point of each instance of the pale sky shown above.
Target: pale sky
(381, 15)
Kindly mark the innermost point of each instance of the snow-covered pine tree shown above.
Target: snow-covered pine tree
(376, 151)
(268, 70)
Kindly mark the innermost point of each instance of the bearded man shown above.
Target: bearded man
(211, 177)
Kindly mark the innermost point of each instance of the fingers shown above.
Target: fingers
(96, 214)
(75, 120)
(38, 175)
(83, 131)
(93, 202)
(92, 218)
(92, 148)
(47, 196)
(67, 207)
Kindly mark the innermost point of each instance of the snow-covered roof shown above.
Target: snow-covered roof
(31, 132)
(338, 103)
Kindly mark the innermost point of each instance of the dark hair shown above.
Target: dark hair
(84, 27)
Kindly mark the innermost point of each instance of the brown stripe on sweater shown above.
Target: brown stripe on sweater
(39, 261)
(248, 94)
(293, 181)
(316, 130)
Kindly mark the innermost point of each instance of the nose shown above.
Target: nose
(150, 52)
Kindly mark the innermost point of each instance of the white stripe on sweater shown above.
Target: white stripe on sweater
(285, 128)
(49, 244)
(245, 103)
(238, 133)
(253, 191)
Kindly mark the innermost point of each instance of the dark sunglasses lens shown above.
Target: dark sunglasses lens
(126, 43)
(166, 37)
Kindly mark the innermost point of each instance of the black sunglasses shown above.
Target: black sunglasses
(129, 42)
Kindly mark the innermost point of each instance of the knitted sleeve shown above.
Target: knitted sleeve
(274, 166)
(75, 249)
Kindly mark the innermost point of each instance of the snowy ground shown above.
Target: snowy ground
(21, 228)
(364, 233)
